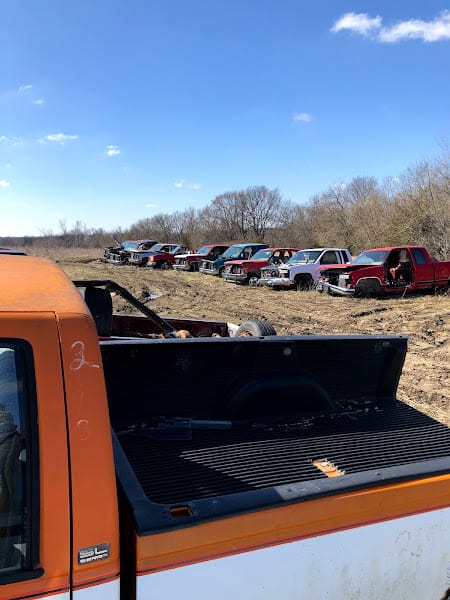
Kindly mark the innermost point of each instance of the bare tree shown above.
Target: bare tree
(228, 213)
(262, 209)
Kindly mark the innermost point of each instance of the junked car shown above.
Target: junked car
(162, 256)
(191, 262)
(120, 253)
(302, 272)
(235, 252)
(249, 270)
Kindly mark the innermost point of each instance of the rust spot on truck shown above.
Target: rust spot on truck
(328, 468)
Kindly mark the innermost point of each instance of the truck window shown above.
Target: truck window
(419, 256)
(329, 258)
(16, 511)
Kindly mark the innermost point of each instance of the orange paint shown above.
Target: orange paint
(292, 522)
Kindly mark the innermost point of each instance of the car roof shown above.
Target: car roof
(275, 248)
(37, 284)
(248, 244)
(321, 249)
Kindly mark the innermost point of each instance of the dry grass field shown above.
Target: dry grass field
(425, 319)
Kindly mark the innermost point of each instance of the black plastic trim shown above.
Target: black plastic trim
(21, 576)
(150, 517)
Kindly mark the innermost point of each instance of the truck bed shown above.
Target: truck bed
(219, 427)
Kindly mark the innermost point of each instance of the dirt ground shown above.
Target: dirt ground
(425, 319)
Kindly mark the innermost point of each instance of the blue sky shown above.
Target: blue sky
(113, 111)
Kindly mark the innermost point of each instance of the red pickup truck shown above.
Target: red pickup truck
(392, 270)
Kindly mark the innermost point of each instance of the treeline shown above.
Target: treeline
(412, 209)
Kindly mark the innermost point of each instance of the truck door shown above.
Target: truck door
(423, 272)
(34, 479)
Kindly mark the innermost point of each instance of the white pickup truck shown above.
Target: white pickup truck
(303, 269)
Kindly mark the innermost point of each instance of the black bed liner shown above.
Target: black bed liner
(347, 416)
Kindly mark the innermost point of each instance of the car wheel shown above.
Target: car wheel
(255, 327)
(303, 283)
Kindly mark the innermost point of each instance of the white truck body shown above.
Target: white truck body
(303, 273)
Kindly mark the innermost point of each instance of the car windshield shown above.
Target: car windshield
(130, 245)
(372, 257)
(204, 250)
(263, 255)
(311, 255)
(162, 248)
(298, 257)
(232, 252)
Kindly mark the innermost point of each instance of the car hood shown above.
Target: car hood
(344, 267)
(247, 262)
(192, 255)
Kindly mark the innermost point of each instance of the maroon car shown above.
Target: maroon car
(191, 262)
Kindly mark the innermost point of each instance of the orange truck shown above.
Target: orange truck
(138, 466)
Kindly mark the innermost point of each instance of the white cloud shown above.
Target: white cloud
(151, 205)
(183, 184)
(303, 117)
(359, 23)
(60, 138)
(18, 204)
(112, 151)
(13, 141)
(25, 89)
(4, 183)
(428, 31)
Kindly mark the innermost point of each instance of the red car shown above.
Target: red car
(191, 262)
(162, 256)
(249, 271)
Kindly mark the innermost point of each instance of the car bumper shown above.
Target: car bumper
(276, 282)
(182, 267)
(116, 261)
(334, 290)
(208, 271)
(234, 277)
